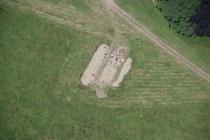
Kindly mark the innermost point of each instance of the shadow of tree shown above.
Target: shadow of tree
(202, 19)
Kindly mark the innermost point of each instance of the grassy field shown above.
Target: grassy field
(78, 4)
(41, 96)
(157, 78)
(195, 48)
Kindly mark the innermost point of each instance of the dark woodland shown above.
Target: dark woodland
(187, 17)
(202, 19)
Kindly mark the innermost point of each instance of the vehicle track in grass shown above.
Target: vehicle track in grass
(65, 16)
(59, 15)
(146, 102)
(112, 6)
(44, 10)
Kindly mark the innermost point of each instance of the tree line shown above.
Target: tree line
(187, 17)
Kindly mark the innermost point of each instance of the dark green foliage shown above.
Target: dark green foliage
(178, 14)
(202, 19)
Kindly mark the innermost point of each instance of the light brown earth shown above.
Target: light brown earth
(111, 5)
(100, 56)
(104, 67)
(100, 93)
(112, 66)
(125, 69)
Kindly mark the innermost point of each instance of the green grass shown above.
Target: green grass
(78, 4)
(40, 98)
(195, 48)
(155, 74)
(33, 51)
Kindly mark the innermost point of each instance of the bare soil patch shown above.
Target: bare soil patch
(100, 93)
(105, 67)
(113, 64)
(125, 69)
(96, 62)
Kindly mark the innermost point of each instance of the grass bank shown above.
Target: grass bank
(194, 48)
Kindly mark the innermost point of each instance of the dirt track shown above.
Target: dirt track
(44, 9)
(110, 4)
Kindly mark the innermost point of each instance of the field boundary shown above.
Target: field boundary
(89, 97)
(112, 6)
(43, 10)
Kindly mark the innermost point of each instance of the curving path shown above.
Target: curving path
(112, 6)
